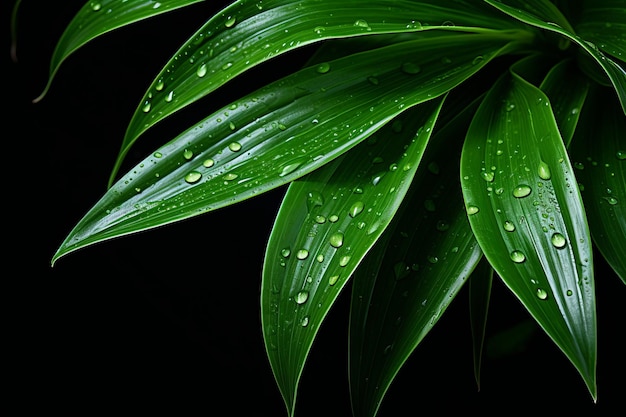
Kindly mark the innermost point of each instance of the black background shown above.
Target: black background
(167, 321)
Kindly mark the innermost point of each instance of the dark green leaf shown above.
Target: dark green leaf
(412, 274)
(479, 293)
(527, 214)
(327, 222)
(96, 18)
(604, 24)
(599, 155)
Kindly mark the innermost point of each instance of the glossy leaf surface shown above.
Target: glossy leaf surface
(98, 17)
(327, 222)
(412, 274)
(600, 167)
(527, 214)
(281, 132)
(248, 33)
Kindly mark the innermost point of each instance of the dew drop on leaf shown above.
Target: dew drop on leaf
(336, 240)
(521, 191)
(509, 226)
(558, 240)
(544, 171)
(518, 256)
(188, 154)
(193, 177)
(201, 71)
(230, 22)
(302, 296)
(621, 155)
(302, 254)
(305, 321)
(472, 210)
(542, 294)
(323, 68)
(234, 146)
(333, 280)
(356, 208)
(208, 163)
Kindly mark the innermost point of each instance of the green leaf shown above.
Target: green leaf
(527, 214)
(327, 222)
(566, 87)
(615, 72)
(599, 155)
(248, 33)
(96, 18)
(479, 295)
(281, 132)
(411, 275)
(604, 24)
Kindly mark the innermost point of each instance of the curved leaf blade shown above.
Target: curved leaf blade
(527, 214)
(281, 132)
(248, 33)
(601, 172)
(327, 222)
(96, 18)
(411, 275)
(615, 72)
(604, 24)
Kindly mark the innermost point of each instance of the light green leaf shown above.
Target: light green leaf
(281, 132)
(327, 222)
(615, 72)
(248, 33)
(527, 214)
(412, 274)
(599, 155)
(96, 18)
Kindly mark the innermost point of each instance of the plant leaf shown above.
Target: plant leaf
(96, 18)
(327, 222)
(248, 33)
(601, 171)
(281, 132)
(566, 87)
(604, 24)
(479, 295)
(411, 275)
(615, 72)
(527, 214)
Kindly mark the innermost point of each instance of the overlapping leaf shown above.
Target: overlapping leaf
(248, 33)
(527, 214)
(412, 274)
(98, 17)
(327, 222)
(603, 22)
(281, 132)
(599, 156)
(524, 11)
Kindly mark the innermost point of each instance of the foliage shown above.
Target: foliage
(425, 145)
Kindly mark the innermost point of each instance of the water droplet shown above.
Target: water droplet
(487, 176)
(95, 6)
(544, 171)
(227, 65)
(333, 280)
(611, 200)
(401, 270)
(314, 199)
(147, 105)
(542, 294)
(518, 256)
(356, 208)
(285, 252)
(193, 177)
(234, 146)
(343, 261)
(569, 293)
(305, 321)
(410, 68)
(472, 210)
(509, 106)
(558, 240)
(160, 85)
(302, 254)
(336, 240)
(188, 154)
(362, 24)
(208, 163)
(302, 296)
(621, 155)
(289, 168)
(158, 155)
(230, 176)
(478, 60)
(509, 226)
(320, 219)
(433, 259)
(319, 30)
(201, 71)
(579, 165)
(521, 191)
(230, 22)
(323, 68)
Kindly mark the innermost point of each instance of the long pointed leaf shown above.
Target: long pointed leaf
(615, 72)
(96, 18)
(604, 24)
(327, 222)
(411, 276)
(281, 132)
(526, 211)
(601, 171)
(244, 35)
